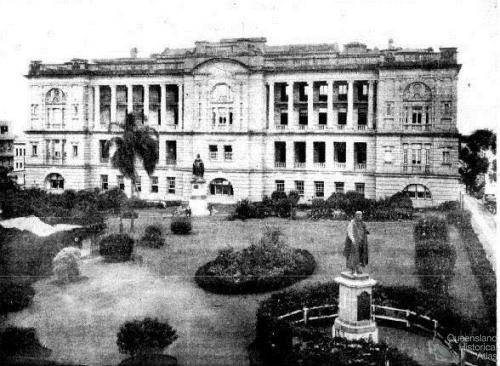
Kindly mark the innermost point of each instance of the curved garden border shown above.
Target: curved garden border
(227, 285)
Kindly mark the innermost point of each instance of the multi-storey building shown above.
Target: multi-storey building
(6, 145)
(310, 118)
(18, 172)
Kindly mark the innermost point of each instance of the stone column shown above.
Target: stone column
(310, 101)
(370, 104)
(97, 105)
(113, 103)
(163, 104)
(180, 105)
(130, 106)
(329, 104)
(289, 92)
(145, 105)
(271, 105)
(350, 104)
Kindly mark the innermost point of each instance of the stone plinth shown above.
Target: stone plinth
(355, 312)
(198, 201)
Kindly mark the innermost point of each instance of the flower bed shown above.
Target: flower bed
(267, 265)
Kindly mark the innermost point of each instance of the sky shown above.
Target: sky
(59, 30)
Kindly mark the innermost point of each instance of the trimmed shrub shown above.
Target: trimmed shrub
(153, 237)
(15, 296)
(263, 266)
(181, 225)
(65, 265)
(243, 210)
(145, 336)
(431, 228)
(111, 200)
(116, 247)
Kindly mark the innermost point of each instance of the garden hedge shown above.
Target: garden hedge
(257, 284)
(116, 247)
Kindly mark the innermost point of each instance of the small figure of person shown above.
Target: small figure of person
(198, 167)
(356, 244)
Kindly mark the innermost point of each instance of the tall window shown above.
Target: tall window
(34, 150)
(138, 185)
(171, 185)
(342, 116)
(416, 115)
(342, 92)
(55, 102)
(416, 154)
(171, 152)
(339, 187)
(34, 111)
(105, 103)
(228, 152)
(280, 185)
(104, 182)
(360, 188)
(103, 150)
(299, 187)
(154, 184)
(303, 120)
(322, 116)
(302, 93)
(120, 182)
(212, 150)
(446, 156)
(283, 117)
(388, 154)
(339, 152)
(75, 150)
(323, 93)
(319, 189)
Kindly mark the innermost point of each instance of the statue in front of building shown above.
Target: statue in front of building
(198, 168)
(356, 244)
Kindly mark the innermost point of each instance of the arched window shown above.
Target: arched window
(418, 191)
(221, 187)
(54, 181)
(417, 103)
(221, 93)
(55, 101)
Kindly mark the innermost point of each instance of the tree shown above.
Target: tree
(474, 163)
(136, 142)
(145, 336)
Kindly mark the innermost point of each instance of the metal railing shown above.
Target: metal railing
(360, 166)
(416, 127)
(299, 164)
(339, 165)
(302, 127)
(341, 127)
(280, 164)
(416, 169)
(407, 317)
(171, 161)
(281, 127)
(319, 165)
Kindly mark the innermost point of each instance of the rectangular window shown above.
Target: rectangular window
(323, 93)
(319, 189)
(171, 152)
(446, 156)
(299, 148)
(280, 153)
(416, 154)
(283, 95)
(388, 154)
(302, 93)
(388, 109)
(416, 116)
(299, 187)
(103, 150)
(318, 152)
(362, 117)
(280, 185)
(339, 187)
(75, 150)
(34, 150)
(120, 182)
(154, 184)
(360, 152)
(212, 150)
(104, 182)
(284, 118)
(228, 152)
(360, 188)
(4, 129)
(405, 154)
(339, 152)
(138, 185)
(74, 111)
(446, 108)
(322, 116)
(342, 117)
(34, 111)
(171, 185)
(342, 92)
(303, 116)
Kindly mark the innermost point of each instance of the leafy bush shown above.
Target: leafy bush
(280, 204)
(116, 247)
(278, 195)
(181, 225)
(111, 200)
(459, 218)
(431, 227)
(265, 265)
(145, 336)
(65, 265)
(449, 206)
(243, 210)
(15, 340)
(152, 237)
(15, 296)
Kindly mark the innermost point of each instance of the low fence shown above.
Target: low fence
(408, 318)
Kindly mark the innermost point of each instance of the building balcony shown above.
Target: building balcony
(55, 160)
(362, 127)
(281, 127)
(171, 161)
(280, 164)
(171, 126)
(321, 127)
(360, 166)
(303, 127)
(104, 160)
(341, 127)
(417, 127)
(318, 165)
(416, 169)
(339, 165)
(299, 164)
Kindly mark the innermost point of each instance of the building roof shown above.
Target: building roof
(256, 55)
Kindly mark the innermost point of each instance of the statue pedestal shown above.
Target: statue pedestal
(198, 201)
(355, 311)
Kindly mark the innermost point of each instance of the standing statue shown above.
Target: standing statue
(356, 244)
(198, 167)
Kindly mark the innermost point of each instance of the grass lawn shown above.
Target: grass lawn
(79, 321)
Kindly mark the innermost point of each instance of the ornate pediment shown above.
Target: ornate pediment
(417, 91)
(220, 68)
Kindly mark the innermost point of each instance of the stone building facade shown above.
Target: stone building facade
(311, 118)
(6, 145)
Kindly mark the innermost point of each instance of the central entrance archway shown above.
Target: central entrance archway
(221, 190)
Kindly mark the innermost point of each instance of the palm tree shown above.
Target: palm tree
(137, 142)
